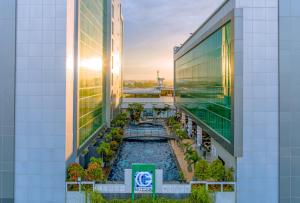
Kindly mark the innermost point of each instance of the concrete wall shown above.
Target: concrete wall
(289, 44)
(257, 169)
(40, 101)
(7, 98)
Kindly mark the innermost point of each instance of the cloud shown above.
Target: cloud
(154, 27)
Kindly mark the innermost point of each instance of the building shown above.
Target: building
(60, 77)
(236, 83)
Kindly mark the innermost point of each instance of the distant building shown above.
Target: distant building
(61, 83)
(237, 89)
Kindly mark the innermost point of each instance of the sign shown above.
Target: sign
(143, 182)
(143, 179)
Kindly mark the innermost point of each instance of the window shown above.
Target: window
(203, 82)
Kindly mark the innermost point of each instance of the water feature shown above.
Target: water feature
(156, 152)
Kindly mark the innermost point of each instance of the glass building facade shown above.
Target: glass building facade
(90, 68)
(203, 82)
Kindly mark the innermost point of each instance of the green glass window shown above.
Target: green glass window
(203, 82)
(90, 67)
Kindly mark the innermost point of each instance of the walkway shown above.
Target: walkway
(188, 175)
(147, 131)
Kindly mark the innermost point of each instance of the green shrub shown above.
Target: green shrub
(181, 177)
(118, 137)
(200, 195)
(217, 171)
(94, 172)
(108, 137)
(75, 171)
(202, 170)
(96, 197)
(114, 145)
(109, 155)
(96, 160)
(229, 175)
(103, 149)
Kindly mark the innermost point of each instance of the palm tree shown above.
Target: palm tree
(135, 111)
(191, 156)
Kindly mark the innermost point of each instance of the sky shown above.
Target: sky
(153, 28)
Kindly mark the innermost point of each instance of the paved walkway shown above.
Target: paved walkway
(188, 175)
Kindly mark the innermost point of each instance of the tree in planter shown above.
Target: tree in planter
(115, 131)
(171, 121)
(192, 157)
(97, 160)
(108, 137)
(94, 172)
(103, 149)
(202, 170)
(75, 171)
(135, 111)
(114, 145)
(109, 155)
(217, 171)
(181, 134)
(117, 137)
(118, 123)
(175, 127)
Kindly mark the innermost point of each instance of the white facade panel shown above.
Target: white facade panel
(40, 101)
(257, 169)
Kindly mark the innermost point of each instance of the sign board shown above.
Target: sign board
(143, 179)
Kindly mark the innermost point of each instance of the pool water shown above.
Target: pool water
(154, 152)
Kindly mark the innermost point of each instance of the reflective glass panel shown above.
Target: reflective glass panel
(203, 82)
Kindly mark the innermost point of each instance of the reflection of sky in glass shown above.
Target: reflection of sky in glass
(90, 67)
(203, 82)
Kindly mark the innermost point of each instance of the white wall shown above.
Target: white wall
(40, 101)
(257, 169)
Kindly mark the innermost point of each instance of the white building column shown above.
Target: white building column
(199, 136)
(183, 118)
(190, 126)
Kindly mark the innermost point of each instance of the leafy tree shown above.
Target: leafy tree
(108, 137)
(114, 145)
(103, 149)
(109, 155)
(192, 157)
(94, 172)
(75, 171)
(96, 160)
(171, 121)
(117, 137)
(115, 131)
(118, 123)
(202, 170)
